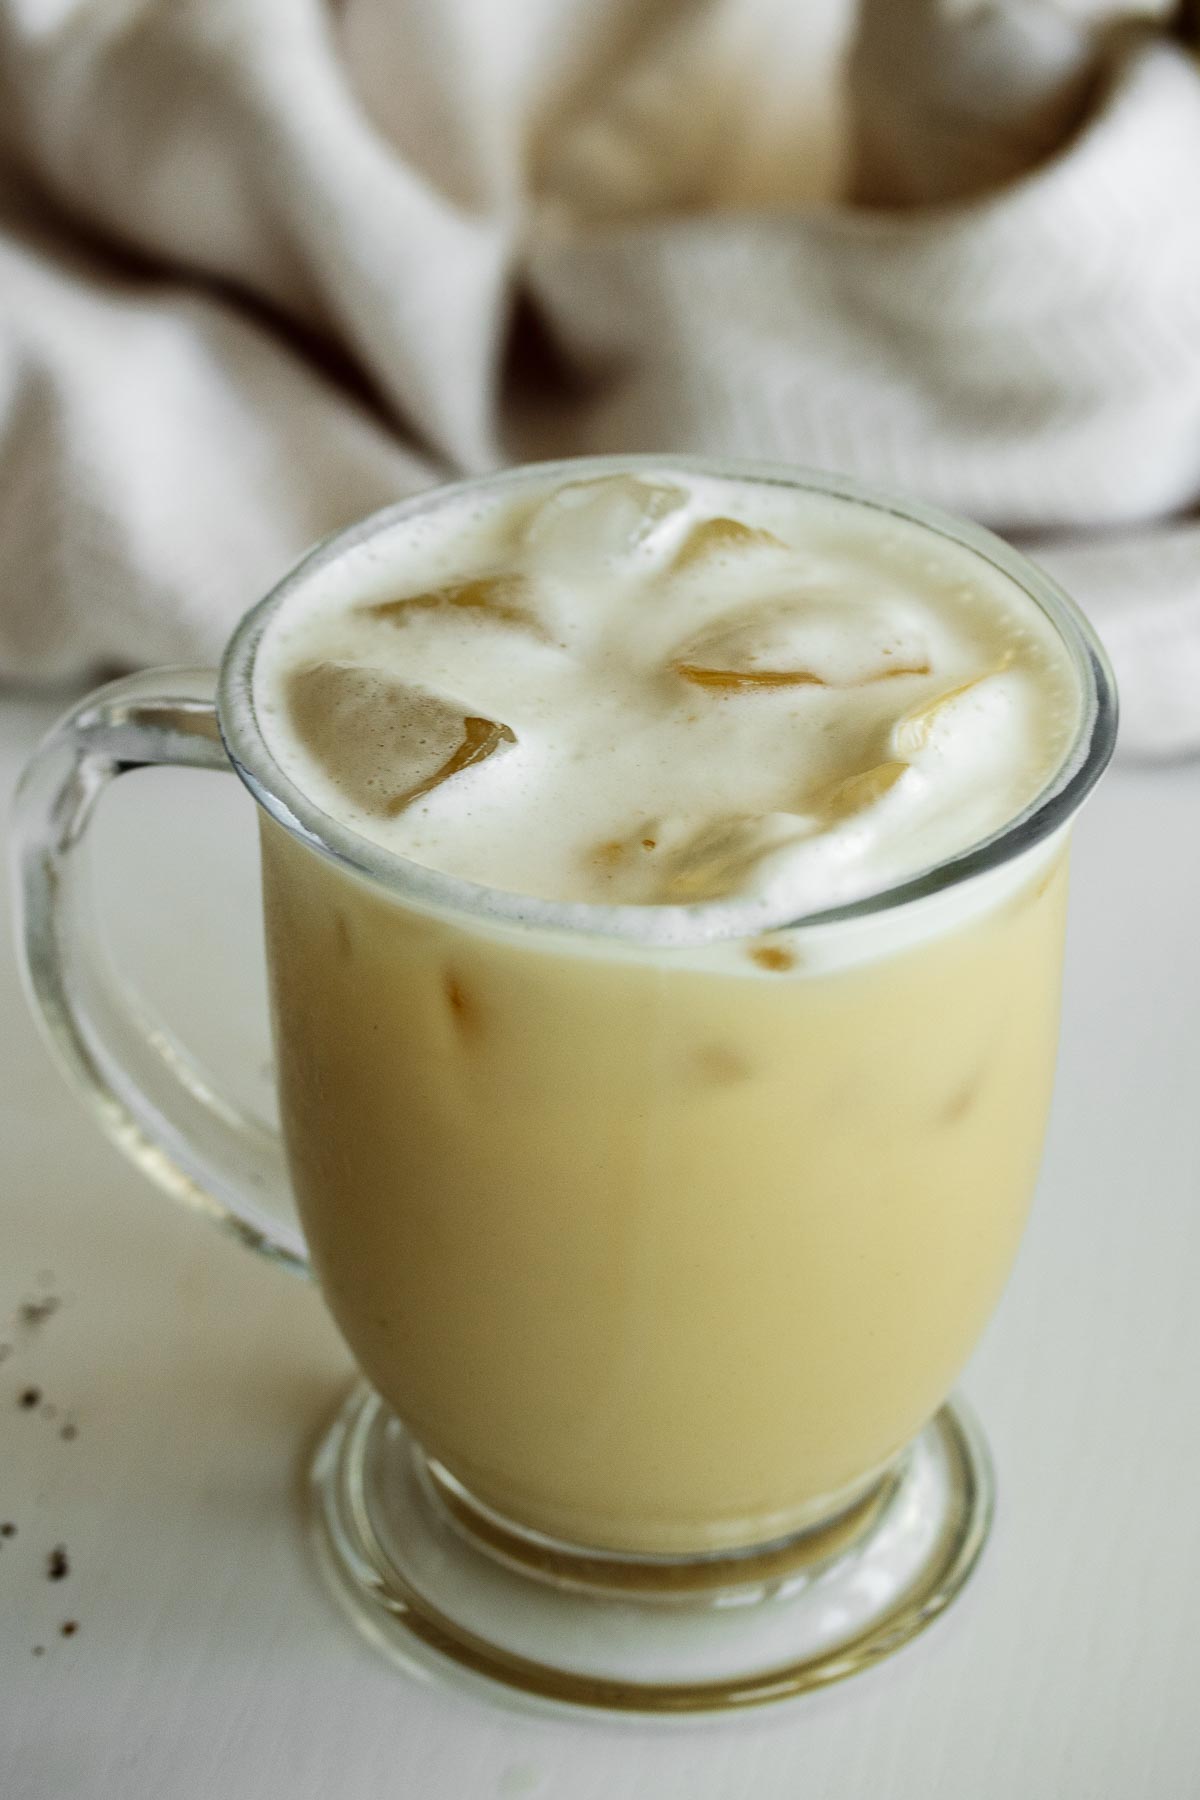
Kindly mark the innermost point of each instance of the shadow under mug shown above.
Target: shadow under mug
(660, 1262)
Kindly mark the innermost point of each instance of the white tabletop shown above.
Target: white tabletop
(209, 1661)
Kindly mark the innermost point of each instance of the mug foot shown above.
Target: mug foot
(441, 1583)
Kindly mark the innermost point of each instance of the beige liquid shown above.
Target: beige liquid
(655, 1257)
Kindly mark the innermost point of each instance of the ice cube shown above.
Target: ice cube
(777, 958)
(480, 739)
(852, 793)
(719, 1065)
(962, 1099)
(719, 857)
(462, 1004)
(747, 678)
(600, 522)
(381, 741)
(802, 643)
(721, 537)
(502, 598)
(913, 730)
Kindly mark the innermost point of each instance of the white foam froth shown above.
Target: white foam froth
(706, 729)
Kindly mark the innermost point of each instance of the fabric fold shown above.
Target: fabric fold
(267, 264)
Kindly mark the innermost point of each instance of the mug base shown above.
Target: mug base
(442, 1584)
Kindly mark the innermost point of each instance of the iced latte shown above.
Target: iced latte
(660, 1174)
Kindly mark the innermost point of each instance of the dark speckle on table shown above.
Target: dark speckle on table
(30, 1397)
(57, 1563)
(35, 1312)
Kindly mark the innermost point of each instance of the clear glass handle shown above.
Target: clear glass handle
(149, 1095)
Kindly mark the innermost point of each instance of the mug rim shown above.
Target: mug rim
(701, 922)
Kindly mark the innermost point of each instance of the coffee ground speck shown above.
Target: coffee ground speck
(36, 1312)
(30, 1398)
(57, 1563)
(69, 1627)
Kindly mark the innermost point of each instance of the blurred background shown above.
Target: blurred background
(268, 264)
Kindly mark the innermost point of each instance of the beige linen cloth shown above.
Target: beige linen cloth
(268, 264)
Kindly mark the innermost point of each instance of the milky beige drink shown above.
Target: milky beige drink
(663, 1221)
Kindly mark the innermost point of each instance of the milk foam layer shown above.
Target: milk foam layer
(667, 690)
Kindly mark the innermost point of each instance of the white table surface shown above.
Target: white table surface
(208, 1660)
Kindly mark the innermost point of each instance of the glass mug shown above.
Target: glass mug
(659, 1263)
